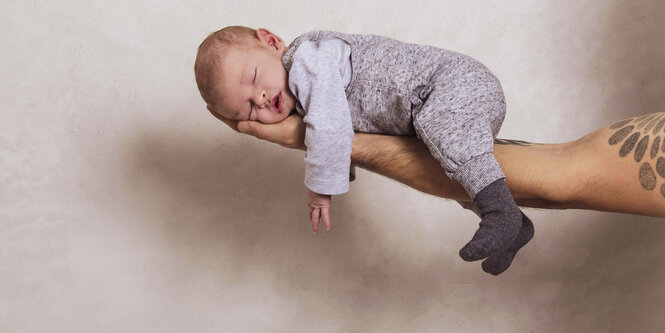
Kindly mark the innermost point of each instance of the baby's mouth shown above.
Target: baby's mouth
(276, 102)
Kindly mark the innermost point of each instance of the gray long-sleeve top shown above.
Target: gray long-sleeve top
(320, 74)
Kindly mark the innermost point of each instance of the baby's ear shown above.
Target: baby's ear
(268, 37)
(263, 33)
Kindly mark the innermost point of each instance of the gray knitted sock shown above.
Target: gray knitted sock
(500, 262)
(501, 221)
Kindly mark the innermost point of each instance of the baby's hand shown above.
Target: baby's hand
(319, 206)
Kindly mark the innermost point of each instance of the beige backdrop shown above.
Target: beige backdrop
(125, 207)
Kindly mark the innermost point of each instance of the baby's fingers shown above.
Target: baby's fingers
(314, 218)
(325, 214)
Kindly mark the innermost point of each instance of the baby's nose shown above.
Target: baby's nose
(266, 100)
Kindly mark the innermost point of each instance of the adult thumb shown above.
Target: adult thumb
(253, 128)
(243, 127)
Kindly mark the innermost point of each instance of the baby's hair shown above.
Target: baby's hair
(213, 50)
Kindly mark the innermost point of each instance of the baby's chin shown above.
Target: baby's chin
(276, 119)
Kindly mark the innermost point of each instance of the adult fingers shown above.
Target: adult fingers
(275, 133)
(325, 214)
(289, 133)
(255, 128)
(231, 123)
(294, 132)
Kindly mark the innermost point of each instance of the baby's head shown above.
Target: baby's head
(240, 75)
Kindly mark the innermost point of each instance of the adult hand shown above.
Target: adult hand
(289, 133)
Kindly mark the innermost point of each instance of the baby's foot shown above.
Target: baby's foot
(500, 262)
(501, 221)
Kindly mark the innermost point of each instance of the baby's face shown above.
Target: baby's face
(255, 84)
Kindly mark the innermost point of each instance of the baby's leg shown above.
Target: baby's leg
(459, 132)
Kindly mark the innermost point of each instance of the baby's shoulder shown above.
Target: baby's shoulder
(325, 47)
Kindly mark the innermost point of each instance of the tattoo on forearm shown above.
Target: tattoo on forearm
(512, 142)
(643, 128)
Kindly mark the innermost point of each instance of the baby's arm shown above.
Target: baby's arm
(315, 80)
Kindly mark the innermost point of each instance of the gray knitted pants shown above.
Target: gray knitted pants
(459, 121)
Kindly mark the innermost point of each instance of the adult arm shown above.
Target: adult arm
(588, 173)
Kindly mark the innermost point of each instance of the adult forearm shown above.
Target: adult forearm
(588, 173)
(407, 160)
